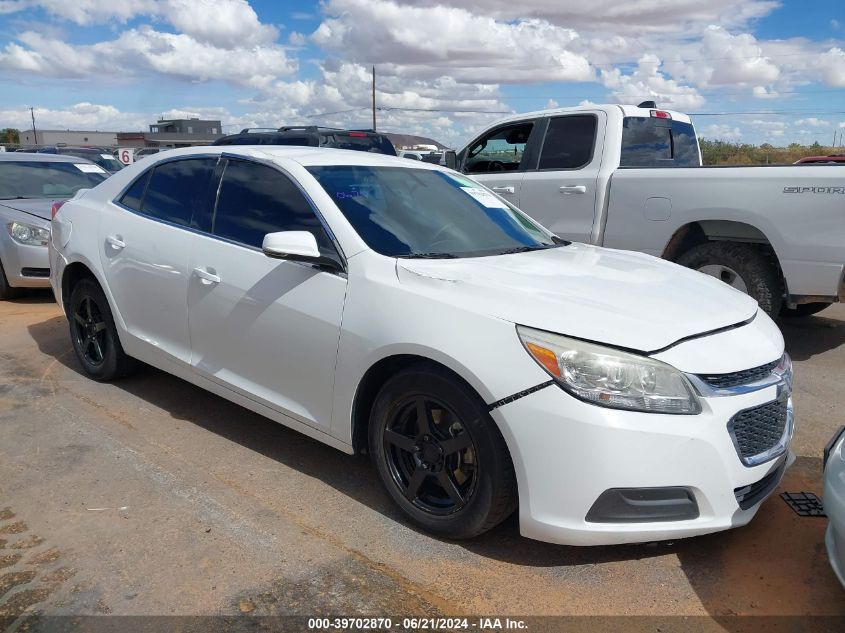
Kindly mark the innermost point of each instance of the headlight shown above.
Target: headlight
(28, 234)
(609, 377)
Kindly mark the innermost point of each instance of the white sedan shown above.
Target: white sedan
(397, 308)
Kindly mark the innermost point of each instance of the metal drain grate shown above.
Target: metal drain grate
(805, 504)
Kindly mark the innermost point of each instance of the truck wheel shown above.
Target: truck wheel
(803, 309)
(743, 267)
(6, 291)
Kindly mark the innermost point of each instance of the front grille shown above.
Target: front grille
(758, 430)
(749, 496)
(737, 378)
(35, 272)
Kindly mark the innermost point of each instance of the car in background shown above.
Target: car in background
(833, 159)
(313, 136)
(30, 185)
(410, 155)
(99, 156)
(399, 308)
(143, 152)
(834, 502)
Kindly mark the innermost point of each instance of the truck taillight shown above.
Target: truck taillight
(55, 208)
(660, 114)
(358, 134)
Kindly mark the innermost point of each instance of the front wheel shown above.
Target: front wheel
(742, 266)
(94, 335)
(440, 455)
(6, 291)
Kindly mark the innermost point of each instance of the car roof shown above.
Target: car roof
(20, 157)
(304, 155)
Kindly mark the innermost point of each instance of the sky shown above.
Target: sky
(756, 71)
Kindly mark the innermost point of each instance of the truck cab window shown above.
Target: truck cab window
(569, 142)
(501, 150)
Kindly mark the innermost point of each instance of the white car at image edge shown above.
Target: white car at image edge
(398, 308)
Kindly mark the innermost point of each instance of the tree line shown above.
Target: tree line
(725, 153)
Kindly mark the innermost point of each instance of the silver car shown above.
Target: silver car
(29, 186)
(834, 502)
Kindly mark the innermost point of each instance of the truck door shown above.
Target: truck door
(561, 192)
(498, 158)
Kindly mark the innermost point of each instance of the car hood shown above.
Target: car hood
(39, 207)
(614, 297)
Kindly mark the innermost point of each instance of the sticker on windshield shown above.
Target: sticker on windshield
(485, 197)
(106, 156)
(462, 181)
(89, 169)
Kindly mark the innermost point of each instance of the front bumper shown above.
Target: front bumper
(566, 453)
(25, 266)
(834, 507)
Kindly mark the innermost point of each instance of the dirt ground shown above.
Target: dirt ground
(151, 496)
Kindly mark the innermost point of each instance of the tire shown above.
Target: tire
(752, 268)
(461, 445)
(6, 291)
(94, 335)
(804, 309)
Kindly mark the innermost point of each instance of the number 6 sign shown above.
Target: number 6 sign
(126, 155)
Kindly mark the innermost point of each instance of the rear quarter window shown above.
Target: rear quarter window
(653, 142)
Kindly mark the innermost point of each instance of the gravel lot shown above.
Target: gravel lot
(151, 496)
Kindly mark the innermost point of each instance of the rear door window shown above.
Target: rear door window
(177, 188)
(255, 200)
(133, 196)
(569, 142)
(654, 142)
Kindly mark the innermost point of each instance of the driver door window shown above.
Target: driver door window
(501, 150)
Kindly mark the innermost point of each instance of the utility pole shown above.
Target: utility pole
(34, 135)
(374, 98)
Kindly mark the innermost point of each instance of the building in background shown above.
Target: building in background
(93, 138)
(166, 133)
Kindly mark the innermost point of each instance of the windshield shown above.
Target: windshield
(32, 179)
(402, 212)
(107, 162)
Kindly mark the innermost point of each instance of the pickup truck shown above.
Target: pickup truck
(630, 177)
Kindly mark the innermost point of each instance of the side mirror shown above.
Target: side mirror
(296, 246)
(451, 159)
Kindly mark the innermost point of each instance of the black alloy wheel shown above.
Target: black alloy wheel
(94, 335)
(89, 329)
(431, 455)
(439, 454)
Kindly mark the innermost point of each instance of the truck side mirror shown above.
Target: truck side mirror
(451, 159)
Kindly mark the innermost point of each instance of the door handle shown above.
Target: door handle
(206, 277)
(115, 242)
(510, 190)
(567, 189)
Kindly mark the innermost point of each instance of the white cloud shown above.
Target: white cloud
(619, 15)
(761, 92)
(813, 122)
(146, 50)
(831, 65)
(224, 23)
(431, 42)
(551, 104)
(721, 132)
(647, 82)
(80, 116)
(723, 59)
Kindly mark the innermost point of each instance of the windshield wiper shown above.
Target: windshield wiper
(525, 249)
(428, 256)
(15, 198)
